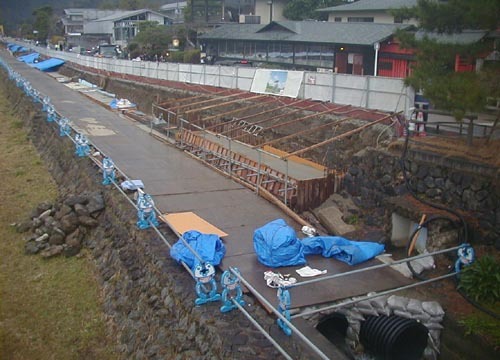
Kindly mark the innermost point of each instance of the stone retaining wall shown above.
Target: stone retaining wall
(375, 176)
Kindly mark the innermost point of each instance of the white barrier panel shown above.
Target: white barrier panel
(245, 77)
(277, 82)
(197, 74)
(382, 93)
(212, 75)
(352, 97)
(318, 86)
(227, 77)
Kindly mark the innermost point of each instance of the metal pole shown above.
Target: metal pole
(230, 158)
(278, 314)
(286, 183)
(368, 297)
(152, 117)
(307, 282)
(262, 330)
(259, 152)
(376, 46)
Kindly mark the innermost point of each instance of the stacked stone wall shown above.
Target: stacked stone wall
(375, 176)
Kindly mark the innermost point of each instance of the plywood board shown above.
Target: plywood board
(185, 221)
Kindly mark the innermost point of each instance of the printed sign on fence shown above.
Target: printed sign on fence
(277, 82)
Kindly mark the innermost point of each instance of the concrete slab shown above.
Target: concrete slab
(321, 292)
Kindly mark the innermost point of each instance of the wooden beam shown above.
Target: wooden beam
(268, 119)
(297, 120)
(230, 112)
(203, 102)
(335, 138)
(225, 103)
(179, 100)
(334, 122)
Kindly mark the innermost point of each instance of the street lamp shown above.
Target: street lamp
(376, 46)
(270, 3)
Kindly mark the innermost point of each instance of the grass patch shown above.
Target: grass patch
(482, 325)
(49, 309)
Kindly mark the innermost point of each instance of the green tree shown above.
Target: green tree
(434, 69)
(152, 38)
(43, 22)
(306, 9)
(131, 4)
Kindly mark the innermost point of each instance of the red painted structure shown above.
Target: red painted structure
(394, 61)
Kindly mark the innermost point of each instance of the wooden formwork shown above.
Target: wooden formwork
(300, 194)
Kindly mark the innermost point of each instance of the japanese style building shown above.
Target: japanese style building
(349, 48)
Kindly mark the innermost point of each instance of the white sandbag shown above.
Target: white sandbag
(397, 302)
(433, 308)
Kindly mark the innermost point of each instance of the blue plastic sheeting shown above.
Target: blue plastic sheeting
(208, 246)
(350, 252)
(276, 245)
(30, 58)
(121, 104)
(48, 65)
(14, 47)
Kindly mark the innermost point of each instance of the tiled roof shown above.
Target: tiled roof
(124, 14)
(371, 5)
(306, 31)
(465, 37)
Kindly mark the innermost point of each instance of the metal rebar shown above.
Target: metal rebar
(277, 313)
(307, 282)
(368, 297)
(262, 330)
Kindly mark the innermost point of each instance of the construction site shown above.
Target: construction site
(340, 170)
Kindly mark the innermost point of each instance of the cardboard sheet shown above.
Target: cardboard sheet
(186, 221)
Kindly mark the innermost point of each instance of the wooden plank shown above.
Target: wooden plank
(271, 118)
(185, 221)
(202, 102)
(227, 103)
(295, 121)
(335, 138)
(305, 131)
(230, 112)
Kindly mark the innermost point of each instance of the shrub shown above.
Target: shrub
(481, 280)
(176, 56)
(192, 56)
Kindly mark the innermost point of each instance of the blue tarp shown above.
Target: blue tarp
(121, 104)
(51, 64)
(350, 252)
(208, 246)
(30, 58)
(14, 47)
(276, 245)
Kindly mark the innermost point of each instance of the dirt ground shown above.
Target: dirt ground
(482, 151)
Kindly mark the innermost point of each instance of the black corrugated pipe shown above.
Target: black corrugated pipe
(333, 326)
(394, 337)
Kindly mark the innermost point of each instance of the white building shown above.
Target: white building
(175, 11)
(375, 11)
(123, 26)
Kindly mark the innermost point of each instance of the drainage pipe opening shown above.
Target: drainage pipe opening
(394, 337)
